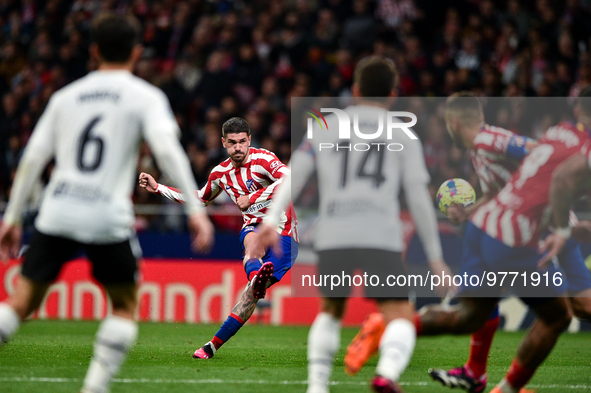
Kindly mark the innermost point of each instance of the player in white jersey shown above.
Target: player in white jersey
(249, 177)
(359, 225)
(94, 128)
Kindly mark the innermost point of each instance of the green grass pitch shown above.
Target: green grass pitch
(52, 356)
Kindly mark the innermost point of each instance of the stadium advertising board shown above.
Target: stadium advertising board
(189, 291)
(174, 290)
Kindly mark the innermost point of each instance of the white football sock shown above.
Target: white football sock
(9, 322)
(396, 348)
(324, 340)
(506, 387)
(113, 339)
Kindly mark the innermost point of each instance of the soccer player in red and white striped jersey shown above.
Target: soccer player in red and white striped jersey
(251, 186)
(249, 176)
(495, 152)
(504, 233)
(516, 215)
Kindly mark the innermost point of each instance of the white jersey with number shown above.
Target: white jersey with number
(359, 190)
(94, 128)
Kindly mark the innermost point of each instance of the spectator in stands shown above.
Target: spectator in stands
(215, 59)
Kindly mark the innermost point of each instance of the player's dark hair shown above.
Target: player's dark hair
(584, 101)
(235, 125)
(376, 76)
(464, 105)
(115, 35)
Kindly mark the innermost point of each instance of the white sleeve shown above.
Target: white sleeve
(161, 132)
(415, 180)
(38, 151)
(423, 213)
(304, 162)
(280, 202)
(414, 168)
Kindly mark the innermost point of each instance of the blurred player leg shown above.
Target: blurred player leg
(553, 318)
(480, 345)
(581, 304)
(396, 345)
(26, 298)
(466, 317)
(323, 342)
(472, 375)
(470, 315)
(116, 334)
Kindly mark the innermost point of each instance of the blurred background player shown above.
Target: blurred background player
(250, 177)
(503, 234)
(569, 181)
(371, 241)
(93, 129)
(496, 153)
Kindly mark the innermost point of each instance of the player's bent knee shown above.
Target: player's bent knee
(555, 313)
(581, 305)
(564, 321)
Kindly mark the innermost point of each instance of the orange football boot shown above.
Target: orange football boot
(365, 344)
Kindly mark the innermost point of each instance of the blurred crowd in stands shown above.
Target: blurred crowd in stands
(218, 59)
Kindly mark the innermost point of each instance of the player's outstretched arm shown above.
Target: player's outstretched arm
(37, 153)
(148, 182)
(570, 176)
(422, 211)
(28, 172)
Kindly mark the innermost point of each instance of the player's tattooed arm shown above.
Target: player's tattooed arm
(245, 307)
(567, 179)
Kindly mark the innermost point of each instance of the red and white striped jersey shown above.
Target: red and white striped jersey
(497, 154)
(258, 178)
(519, 212)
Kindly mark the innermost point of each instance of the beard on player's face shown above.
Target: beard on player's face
(237, 157)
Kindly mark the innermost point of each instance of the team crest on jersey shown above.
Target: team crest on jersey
(250, 184)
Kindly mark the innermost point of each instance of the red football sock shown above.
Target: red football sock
(480, 347)
(217, 342)
(518, 375)
(417, 323)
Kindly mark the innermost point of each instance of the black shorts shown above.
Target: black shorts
(364, 262)
(112, 263)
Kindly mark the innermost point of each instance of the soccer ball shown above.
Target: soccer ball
(455, 191)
